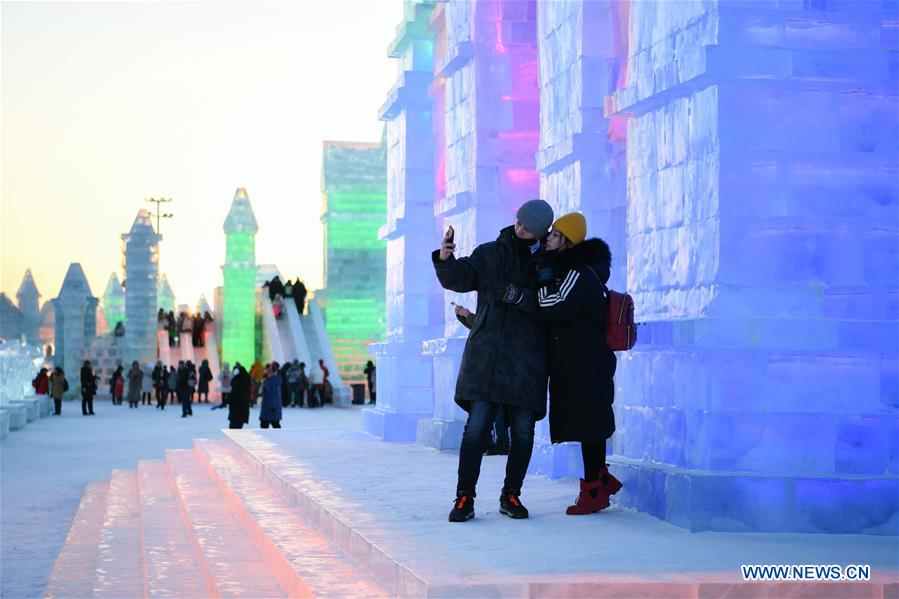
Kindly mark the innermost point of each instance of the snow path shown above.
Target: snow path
(45, 467)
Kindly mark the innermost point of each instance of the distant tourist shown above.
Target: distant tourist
(370, 377)
(270, 409)
(297, 383)
(172, 384)
(117, 385)
(119, 330)
(205, 376)
(316, 376)
(299, 296)
(239, 398)
(58, 387)
(158, 376)
(225, 383)
(146, 396)
(41, 382)
(88, 389)
(135, 384)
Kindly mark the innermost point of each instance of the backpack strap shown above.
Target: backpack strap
(605, 289)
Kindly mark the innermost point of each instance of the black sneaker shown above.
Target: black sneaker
(511, 506)
(463, 508)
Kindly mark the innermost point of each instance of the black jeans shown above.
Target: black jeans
(476, 436)
(57, 403)
(186, 403)
(87, 403)
(274, 423)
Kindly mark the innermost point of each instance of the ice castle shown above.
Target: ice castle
(740, 158)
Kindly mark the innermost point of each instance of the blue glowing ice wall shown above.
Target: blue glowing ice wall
(583, 51)
(413, 314)
(762, 253)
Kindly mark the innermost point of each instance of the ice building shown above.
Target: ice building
(113, 303)
(740, 158)
(28, 299)
(11, 320)
(165, 296)
(238, 318)
(141, 281)
(75, 321)
(354, 188)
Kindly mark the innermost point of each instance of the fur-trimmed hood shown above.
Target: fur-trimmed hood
(593, 252)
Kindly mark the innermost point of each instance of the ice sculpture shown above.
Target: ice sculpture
(354, 204)
(28, 298)
(113, 302)
(238, 318)
(141, 281)
(165, 296)
(19, 363)
(75, 321)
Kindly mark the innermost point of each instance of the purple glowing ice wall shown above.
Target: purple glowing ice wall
(762, 254)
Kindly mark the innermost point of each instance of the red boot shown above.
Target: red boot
(585, 504)
(612, 484)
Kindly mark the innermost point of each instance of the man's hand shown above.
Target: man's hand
(463, 312)
(447, 247)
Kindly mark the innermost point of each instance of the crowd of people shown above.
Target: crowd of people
(184, 325)
(279, 293)
(273, 385)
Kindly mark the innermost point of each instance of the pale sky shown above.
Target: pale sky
(104, 104)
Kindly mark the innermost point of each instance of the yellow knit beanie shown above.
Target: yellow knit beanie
(573, 226)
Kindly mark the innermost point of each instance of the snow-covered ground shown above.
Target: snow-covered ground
(46, 465)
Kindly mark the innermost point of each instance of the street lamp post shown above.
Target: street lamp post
(160, 215)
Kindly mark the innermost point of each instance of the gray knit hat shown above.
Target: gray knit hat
(536, 216)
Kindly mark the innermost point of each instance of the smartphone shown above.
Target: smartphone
(452, 234)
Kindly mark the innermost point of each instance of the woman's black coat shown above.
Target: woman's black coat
(239, 400)
(581, 365)
(504, 360)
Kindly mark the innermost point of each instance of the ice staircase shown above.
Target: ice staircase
(303, 338)
(288, 514)
(202, 523)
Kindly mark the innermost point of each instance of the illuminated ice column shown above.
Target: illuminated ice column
(583, 57)
(354, 206)
(141, 281)
(165, 297)
(113, 302)
(75, 321)
(489, 130)
(28, 298)
(405, 385)
(238, 320)
(762, 253)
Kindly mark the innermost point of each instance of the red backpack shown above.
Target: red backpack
(621, 331)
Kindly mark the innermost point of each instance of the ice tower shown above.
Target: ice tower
(405, 381)
(354, 205)
(114, 302)
(75, 321)
(141, 280)
(238, 318)
(28, 299)
(165, 297)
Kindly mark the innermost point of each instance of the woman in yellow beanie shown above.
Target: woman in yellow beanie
(572, 296)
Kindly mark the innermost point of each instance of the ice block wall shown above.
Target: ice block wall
(490, 100)
(354, 207)
(238, 317)
(141, 281)
(28, 299)
(581, 158)
(404, 376)
(75, 322)
(762, 254)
